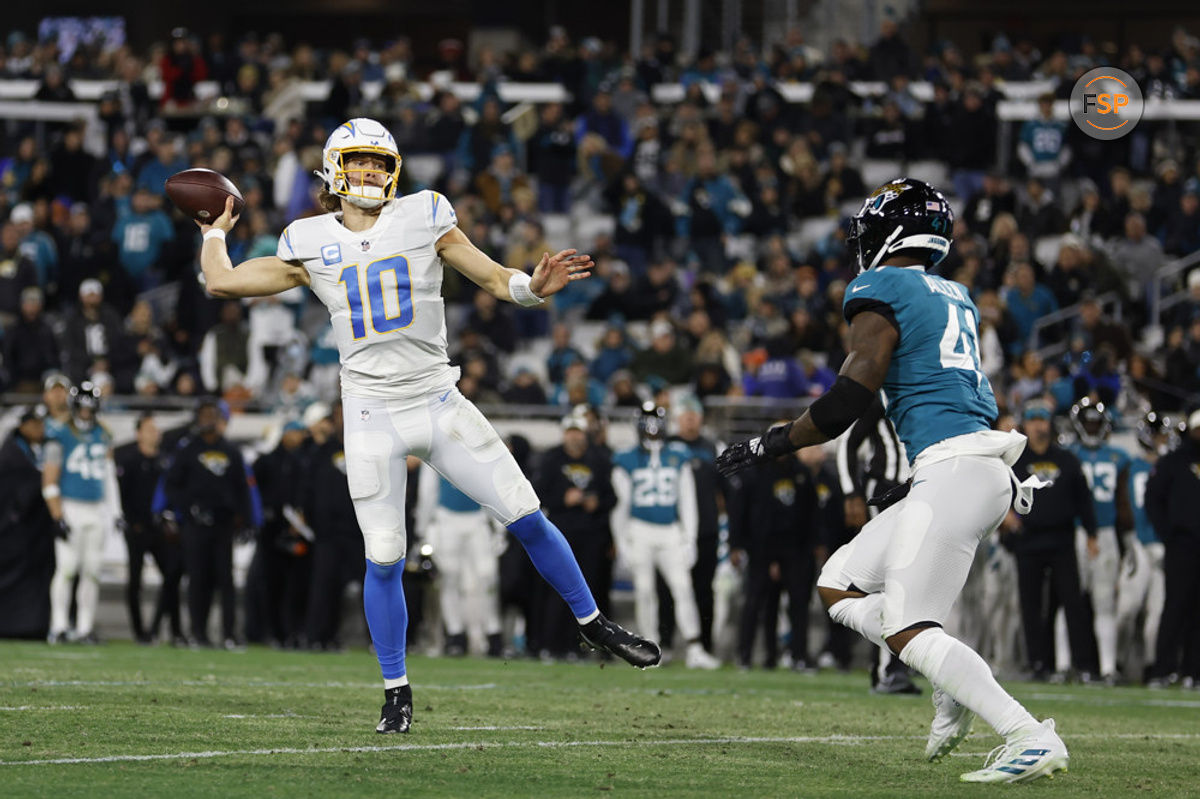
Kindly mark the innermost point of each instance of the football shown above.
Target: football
(200, 193)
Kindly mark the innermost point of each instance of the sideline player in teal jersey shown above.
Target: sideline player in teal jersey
(1107, 470)
(914, 336)
(79, 483)
(655, 523)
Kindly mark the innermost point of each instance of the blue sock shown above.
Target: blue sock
(387, 615)
(552, 557)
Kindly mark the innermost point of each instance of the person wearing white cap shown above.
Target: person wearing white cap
(36, 244)
(1173, 505)
(91, 333)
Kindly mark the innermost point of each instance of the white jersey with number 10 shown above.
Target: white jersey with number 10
(383, 289)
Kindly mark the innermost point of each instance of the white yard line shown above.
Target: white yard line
(833, 740)
(487, 686)
(44, 707)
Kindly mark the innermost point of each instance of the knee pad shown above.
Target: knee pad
(516, 492)
(383, 533)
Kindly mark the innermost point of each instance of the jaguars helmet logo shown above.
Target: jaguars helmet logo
(579, 475)
(785, 492)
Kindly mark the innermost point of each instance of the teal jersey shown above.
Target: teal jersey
(450, 498)
(84, 458)
(1139, 474)
(935, 388)
(655, 496)
(1045, 138)
(1103, 466)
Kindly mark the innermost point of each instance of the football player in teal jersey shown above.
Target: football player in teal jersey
(914, 336)
(79, 484)
(1107, 470)
(655, 523)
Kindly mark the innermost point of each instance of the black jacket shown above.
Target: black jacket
(1057, 508)
(328, 507)
(26, 543)
(1173, 494)
(278, 475)
(710, 486)
(782, 510)
(207, 483)
(591, 474)
(137, 478)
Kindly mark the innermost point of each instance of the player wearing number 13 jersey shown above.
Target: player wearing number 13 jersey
(375, 261)
(913, 337)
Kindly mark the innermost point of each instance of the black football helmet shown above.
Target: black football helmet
(652, 424)
(85, 397)
(1091, 422)
(1159, 433)
(905, 216)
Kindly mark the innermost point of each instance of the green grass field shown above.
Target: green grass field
(120, 720)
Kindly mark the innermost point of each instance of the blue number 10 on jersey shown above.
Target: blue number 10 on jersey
(389, 310)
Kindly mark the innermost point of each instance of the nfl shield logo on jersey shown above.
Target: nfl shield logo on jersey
(366, 245)
(365, 414)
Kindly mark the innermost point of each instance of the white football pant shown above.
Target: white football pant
(918, 552)
(465, 550)
(446, 431)
(662, 547)
(1141, 586)
(79, 555)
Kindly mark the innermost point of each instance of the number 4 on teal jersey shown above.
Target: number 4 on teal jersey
(381, 321)
(960, 344)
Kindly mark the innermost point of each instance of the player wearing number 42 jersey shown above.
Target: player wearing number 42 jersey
(914, 336)
(375, 261)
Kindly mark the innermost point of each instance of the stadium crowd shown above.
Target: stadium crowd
(701, 282)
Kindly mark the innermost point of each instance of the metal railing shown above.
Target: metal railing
(1167, 277)
(1063, 317)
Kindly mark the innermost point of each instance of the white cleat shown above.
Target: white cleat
(951, 725)
(697, 658)
(1039, 754)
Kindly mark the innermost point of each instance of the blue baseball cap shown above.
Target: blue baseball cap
(1037, 410)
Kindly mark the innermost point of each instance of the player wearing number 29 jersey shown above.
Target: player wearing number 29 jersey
(913, 337)
(375, 261)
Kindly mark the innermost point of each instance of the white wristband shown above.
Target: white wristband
(518, 289)
(215, 233)
(51, 491)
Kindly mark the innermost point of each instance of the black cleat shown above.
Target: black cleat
(397, 710)
(604, 635)
(897, 682)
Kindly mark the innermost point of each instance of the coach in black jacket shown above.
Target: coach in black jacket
(26, 533)
(574, 481)
(1173, 505)
(1044, 543)
(207, 484)
(779, 540)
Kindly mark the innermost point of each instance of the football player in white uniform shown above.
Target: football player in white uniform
(375, 261)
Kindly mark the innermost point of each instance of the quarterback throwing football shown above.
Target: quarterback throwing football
(375, 261)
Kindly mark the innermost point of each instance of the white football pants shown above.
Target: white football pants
(1141, 585)
(1097, 577)
(446, 431)
(662, 547)
(79, 555)
(465, 550)
(918, 552)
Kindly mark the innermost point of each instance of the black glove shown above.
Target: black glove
(744, 454)
(62, 530)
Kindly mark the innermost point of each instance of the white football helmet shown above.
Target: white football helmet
(360, 135)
